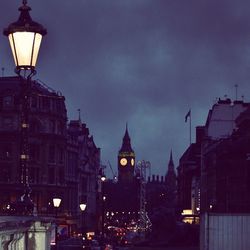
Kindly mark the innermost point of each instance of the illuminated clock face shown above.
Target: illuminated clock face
(123, 161)
(132, 162)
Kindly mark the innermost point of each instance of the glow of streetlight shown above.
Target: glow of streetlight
(25, 38)
(83, 206)
(57, 201)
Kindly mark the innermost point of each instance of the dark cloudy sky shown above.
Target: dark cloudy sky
(145, 62)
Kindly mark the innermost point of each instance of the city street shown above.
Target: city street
(136, 248)
(74, 244)
(164, 248)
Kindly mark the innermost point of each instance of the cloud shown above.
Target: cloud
(142, 61)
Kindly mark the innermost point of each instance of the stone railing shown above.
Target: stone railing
(25, 233)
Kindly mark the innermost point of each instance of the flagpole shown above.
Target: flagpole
(188, 115)
(190, 130)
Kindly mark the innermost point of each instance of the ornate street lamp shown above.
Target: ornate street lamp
(83, 208)
(56, 203)
(25, 37)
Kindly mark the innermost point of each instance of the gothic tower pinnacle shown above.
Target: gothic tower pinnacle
(126, 143)
(126, 159)
(171, 163)
(171, 184)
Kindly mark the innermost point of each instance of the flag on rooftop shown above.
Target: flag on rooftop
(188, 115)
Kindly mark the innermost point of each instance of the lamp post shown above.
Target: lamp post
(56, 203)
(25, 37)
(103, 179)
(82, 208)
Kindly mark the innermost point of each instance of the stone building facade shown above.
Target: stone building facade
(213, 173)
(57, 155)
(225, 170)
(83, 153)
(189, 176)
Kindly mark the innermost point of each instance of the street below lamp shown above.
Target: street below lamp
(56, 203)
(25, 38)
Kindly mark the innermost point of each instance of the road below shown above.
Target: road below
(164, 248)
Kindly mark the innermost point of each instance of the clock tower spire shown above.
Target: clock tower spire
(171, 185)
(126, 159)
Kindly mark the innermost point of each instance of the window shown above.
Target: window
(51, 175)
(34, 152)
(61, 155)
(52, 126)
(52, 151)
(39, 102)
(46, 103)
(7, 122)
(61, 176)
(5, 151)
(60, 128)
(33, 102)
(5, 173)
(59, 106)
(84, 184)
(7, 101)
(34, 127)
(34, 175)
(53, 103)
(72, 163)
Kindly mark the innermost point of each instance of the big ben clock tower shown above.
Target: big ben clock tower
(126, 160)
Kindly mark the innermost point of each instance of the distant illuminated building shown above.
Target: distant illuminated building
(171, 185)
(126, 160)
(123, 196)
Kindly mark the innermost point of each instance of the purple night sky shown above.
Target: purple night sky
(145, 62)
